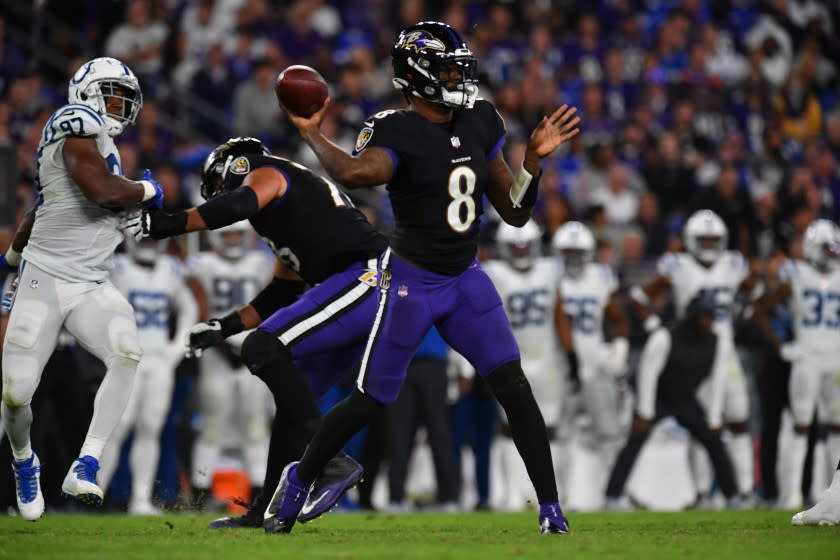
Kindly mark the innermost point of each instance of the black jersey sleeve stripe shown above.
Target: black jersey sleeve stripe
(379, 320)
(496, 149)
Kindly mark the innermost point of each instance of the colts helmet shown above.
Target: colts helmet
(821, 244)
(102, 79)
(576, 246)
(519, 246)
(432, 61)
(145, 251)
(213, 172)
(705, 236)
(233, 241)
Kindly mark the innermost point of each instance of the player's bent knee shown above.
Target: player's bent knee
(259, 349)
(510, 386)
(124, 342)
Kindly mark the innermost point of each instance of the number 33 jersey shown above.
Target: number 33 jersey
(440, 178)
(584, 299)
(815, 305)
(73, 238)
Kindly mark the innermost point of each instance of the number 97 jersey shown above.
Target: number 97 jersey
(815, 305)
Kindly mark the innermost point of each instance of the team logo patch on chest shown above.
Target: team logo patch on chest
(364, 137)
(240, 166)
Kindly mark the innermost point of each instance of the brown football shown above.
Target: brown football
(301, 90)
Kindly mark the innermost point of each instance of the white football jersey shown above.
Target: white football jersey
(529, 299)
(584, 299)
(73, 238)
(153, 293)
(688, 277)
(815, 306)
(230, 284)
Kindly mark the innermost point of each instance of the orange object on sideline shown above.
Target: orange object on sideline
(230, 485)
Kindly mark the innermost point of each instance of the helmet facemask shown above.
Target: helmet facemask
(709, 248)
(574, 261)
(105, 92)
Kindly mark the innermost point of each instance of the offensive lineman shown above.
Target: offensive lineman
(811, 287)
(706, 266)
(154, 284)
(589, 294)
(64, 272)
(232, 274)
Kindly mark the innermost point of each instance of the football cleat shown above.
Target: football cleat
(552, 520)
(286, 503)
(28, 484)
(251, 519)
(80, 482)
(825, 513)
(338, 476)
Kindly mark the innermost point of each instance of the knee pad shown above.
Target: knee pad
(124, 342)
(260, 349)
(510, 386)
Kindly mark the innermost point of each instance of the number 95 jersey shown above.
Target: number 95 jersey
(73, 238)
(584, 299)
(440, 178)
(815, 305)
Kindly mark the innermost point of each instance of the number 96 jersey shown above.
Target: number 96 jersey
(231, 283)
(815, 305)
(584, 298)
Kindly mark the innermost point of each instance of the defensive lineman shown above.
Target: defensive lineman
(154, 284)
(64, 272)
(232, 274)
(811, 287)
(706, 266)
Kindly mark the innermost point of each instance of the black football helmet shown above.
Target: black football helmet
(432, 61)
(212, 174)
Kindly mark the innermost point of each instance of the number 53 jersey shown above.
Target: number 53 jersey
(440, 178)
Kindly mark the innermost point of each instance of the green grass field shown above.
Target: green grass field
(764, 535)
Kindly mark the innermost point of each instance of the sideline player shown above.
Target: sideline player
(64, 272)
(528, 285)
(438, 158)
(706, 266)
(232, 274)
(303, 344)
(154, 284)
(811, 287)
(589, 294)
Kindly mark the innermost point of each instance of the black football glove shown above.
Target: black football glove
(155, 223)
(203, 335)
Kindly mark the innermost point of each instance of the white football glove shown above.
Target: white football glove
(203, 335)
(135, 224)
(791, 352)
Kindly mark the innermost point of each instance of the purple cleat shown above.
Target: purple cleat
(337, 477)
(286, 503)
(552, 519)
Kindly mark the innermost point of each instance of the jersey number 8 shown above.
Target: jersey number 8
(461, 188)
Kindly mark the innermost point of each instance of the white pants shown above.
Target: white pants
(815, 384)
(235, 409)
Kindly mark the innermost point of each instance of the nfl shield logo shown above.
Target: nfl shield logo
(456, 142)
(402, 291)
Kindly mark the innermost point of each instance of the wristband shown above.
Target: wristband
(149, 190)
(13, 257)
(524, 190)
(231, 324)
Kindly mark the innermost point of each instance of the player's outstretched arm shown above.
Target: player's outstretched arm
(90, 172)
(372, 167)
(514, 196)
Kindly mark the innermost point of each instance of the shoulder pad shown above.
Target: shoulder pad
(788, 271)
(668, 264)
(72, 120)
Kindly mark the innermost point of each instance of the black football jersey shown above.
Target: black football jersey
(313, 228)
(441, 177)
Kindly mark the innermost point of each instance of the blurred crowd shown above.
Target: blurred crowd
(732, 105)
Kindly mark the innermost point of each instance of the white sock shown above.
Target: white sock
(110, 403)
(796, 463)
(740, 448)
(17, 422)
(145, 453)
(833, 445)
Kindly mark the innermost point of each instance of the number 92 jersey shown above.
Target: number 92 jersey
(73, 238)
(688, 277)
(815, 305)
(584, 299)
(440, 178)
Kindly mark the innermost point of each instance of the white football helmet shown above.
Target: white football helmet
(102, 79)
(145, 251)
(231, 242)
(705, 236)
(821, 244)
(519, 246)
(575, 245)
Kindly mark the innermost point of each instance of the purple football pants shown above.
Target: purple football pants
(466, 309)
(327, 327)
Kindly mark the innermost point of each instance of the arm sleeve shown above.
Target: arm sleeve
(654, 356)
(718, 381)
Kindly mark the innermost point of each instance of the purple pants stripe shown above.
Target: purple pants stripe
(466, 309)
